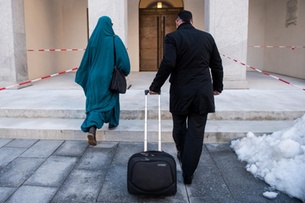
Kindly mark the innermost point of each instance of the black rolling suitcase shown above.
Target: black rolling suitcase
(152, 172)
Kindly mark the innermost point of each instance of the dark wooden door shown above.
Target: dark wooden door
(154, 25)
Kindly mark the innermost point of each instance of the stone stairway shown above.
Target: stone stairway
(47, 112)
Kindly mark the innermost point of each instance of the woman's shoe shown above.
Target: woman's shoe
(111, 127)
(91, 136)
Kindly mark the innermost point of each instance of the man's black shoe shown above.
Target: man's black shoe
(187, 179)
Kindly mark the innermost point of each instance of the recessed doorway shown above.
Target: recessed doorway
(154, 24)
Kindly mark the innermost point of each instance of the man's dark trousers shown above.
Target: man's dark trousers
(188, 134)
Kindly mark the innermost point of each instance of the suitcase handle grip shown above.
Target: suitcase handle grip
(159, 122)
(146, 92)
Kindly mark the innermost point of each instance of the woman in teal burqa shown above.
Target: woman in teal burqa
(94, 76)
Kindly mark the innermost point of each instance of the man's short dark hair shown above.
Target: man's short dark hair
(185, 16)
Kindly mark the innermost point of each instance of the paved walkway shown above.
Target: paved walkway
(71, 171)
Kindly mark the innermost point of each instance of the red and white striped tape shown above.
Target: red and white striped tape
(35, 80)
(278, 46)
(263, 72)
(54, 50)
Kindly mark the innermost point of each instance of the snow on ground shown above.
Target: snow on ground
(278, 158)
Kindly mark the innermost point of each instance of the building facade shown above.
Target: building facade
(240, 27)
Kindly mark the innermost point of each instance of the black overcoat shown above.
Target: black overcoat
(190, 55)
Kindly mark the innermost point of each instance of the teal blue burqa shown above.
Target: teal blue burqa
(95, 73)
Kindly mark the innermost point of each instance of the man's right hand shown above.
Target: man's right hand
(216, 93)
(152, 92)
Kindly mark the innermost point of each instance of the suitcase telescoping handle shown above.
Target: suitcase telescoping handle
(159, 122)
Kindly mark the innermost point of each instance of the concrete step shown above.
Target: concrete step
(54, 109)
(133, 114)
(231, 104)
(217, 131)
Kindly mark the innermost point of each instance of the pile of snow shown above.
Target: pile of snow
(278, 159)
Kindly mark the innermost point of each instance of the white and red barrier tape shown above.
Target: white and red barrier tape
(253, 46)
(263, 72)
(37, 79)
(278, 46)
(54, 50)
(73, 69)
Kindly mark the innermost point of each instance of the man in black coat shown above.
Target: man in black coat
(190, 55)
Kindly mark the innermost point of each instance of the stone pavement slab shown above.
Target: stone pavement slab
(18, 171)
(33, 194)
(212, 187)
(5, 193)
(42, 148)
(9, 154)
(96, 158)
(57, 168)
(21, 143)
(72, 148)
(72, 171)
(81, 186)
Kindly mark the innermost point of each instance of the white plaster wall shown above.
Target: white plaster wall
(228, 23)
(19, 41)
(283, 60)
(7, 49)
(74, 30)
(115, 9)
(13, 66)
(256, 34)
(197, 9)
(267, 27)
(133, 35)
(54, 24)
(40, 34)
